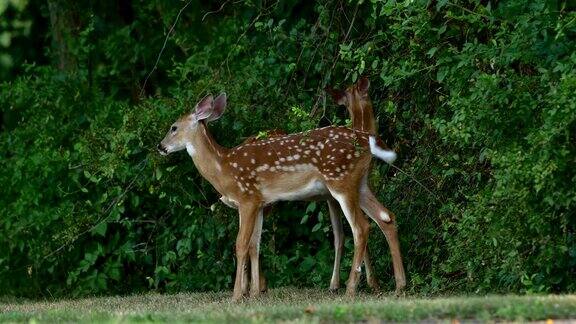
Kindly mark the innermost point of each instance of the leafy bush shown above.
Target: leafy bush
(477, 97)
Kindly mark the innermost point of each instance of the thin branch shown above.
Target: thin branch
(215, 11)
(316, 104)
(106, 211)
(163, 47)
(468, 10)
(418, 182)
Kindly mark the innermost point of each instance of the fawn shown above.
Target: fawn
(317, 164)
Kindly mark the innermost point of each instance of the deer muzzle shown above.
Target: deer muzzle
(161, 149)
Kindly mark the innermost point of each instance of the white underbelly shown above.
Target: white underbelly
(312, 189)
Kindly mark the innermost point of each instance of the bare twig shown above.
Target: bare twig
(215, 11)
(106, 211)
(163, 47)
(418, 182)
(468, 10)
(316, 104)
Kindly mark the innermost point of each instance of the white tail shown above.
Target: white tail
(382, 154)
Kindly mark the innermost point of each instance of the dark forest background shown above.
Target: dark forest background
(477, 97)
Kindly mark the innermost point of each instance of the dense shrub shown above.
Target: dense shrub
(477, 97)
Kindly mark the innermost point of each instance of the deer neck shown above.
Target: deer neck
(363, 117)
(207, 155)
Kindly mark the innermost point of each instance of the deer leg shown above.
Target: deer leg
(248, 215)
(245, 280)
(263, 284)
(338, 231)
(350, 206)
(386, 220)
(245, 277)
(370, 278)
(254, 251)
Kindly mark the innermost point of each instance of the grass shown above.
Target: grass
(289, 304)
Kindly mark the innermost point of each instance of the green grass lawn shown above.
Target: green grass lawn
(289, 304)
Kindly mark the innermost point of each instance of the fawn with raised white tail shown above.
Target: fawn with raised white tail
(330, 161)
(357, 101)
(359, 105)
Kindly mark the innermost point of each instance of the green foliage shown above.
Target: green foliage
(477, 97)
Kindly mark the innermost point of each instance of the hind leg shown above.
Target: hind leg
(338, 231)
(254, 253)
(386, 221)
(348, 200)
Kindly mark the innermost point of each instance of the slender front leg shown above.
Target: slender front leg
(350, 206)
(245, 277)
(386, 220)
(248, 214)
(370, 278)
(245, 280)
(338, 231)
(254, 250)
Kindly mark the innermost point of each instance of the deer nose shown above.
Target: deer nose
(161, 149)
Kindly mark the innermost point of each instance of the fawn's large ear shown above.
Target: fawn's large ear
(218, 107)
(203, 108)
(339, 96)
(363, 85)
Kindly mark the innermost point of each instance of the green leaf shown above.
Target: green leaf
(311, 207)
(441, 30)
(431, 51)
(5, 39)
(3, 6)
(100, 229)
(441, 74)
(316, 227)
(440, 4)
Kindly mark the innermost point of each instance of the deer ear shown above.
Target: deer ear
(339, 96)
(218, 107)
(204, 108)
(363, 85)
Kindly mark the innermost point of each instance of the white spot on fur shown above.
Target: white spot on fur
(384, 216)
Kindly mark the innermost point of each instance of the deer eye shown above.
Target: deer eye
(174, 128)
